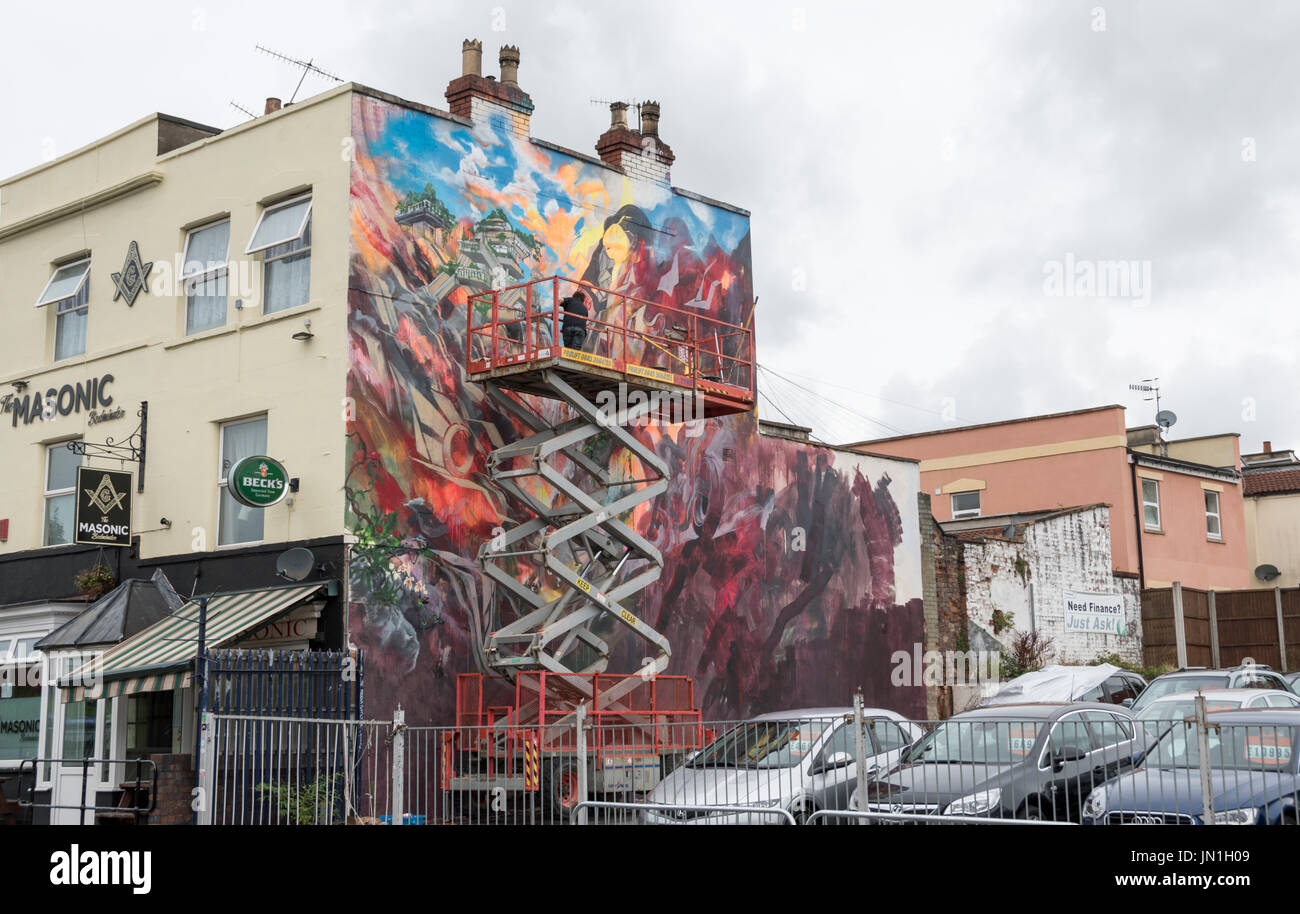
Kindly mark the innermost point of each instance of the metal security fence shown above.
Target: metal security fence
(1029, 764)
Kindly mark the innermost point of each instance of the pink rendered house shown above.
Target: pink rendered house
(1176, 507)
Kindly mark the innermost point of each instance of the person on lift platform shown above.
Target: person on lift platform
(574, 326)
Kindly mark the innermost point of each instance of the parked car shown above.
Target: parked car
(1032, 761)
(1157, 716)
(1101, 682)
(1190, 679)
(800, 761)
(1253, 775)
(1293, 680)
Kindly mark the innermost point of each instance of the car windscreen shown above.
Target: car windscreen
(1162, 687)
(1156, 717)
(762, 744)
(976, 742)
(1235, 748)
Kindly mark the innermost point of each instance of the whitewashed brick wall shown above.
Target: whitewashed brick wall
(1068, 552)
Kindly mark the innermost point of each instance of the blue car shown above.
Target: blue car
(1253, 775)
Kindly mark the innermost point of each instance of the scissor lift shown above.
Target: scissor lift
(575, 560)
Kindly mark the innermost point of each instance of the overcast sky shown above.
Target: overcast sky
(931, 183)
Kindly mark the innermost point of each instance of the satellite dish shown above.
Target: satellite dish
(295, 564)
(1166, 418)
(1267, 573)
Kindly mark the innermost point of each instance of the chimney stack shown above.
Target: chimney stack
(471, 57)
(272, 105)
(650, 119)
(509, 65)
(617, 115)
(477, 97)
(1268, 447)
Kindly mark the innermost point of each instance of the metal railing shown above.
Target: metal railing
(138, 788)
(1028, 764)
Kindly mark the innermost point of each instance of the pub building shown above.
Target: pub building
(168, 313)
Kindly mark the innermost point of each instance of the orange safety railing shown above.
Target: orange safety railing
(523, 323)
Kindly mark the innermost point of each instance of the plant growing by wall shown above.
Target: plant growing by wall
(1022, 569)
(95, 581)
(1001, 621)
(1028, 652)
(304, 804)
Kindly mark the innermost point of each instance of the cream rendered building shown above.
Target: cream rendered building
(253, 362)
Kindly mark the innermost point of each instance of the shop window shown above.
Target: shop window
(69, 291)
(239, 523)
(1213, 524)
(203, 276)
(965, 504)
(283, 238)
(1151, 504)
(60, 488)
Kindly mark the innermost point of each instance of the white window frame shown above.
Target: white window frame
(53, 493)
(966, 512)
(223, 483)
(208, 272)
(274, 208)
(41, 300)
(1149, 504)
(1216, 514)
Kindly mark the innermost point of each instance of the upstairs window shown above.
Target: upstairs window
(965, 504)
(1151, 504)
(203, 276)
(239, 523)
(1213, 525)
(283, 238)
(69, 291)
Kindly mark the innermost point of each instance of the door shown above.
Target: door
(1066, 766)
(71, 778)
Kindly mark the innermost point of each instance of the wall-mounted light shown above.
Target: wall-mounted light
(305, 333)
(165, 522)
(20, 386)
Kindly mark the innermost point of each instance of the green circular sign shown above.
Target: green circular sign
(258, 482)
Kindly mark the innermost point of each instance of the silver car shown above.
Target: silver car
(798, 761)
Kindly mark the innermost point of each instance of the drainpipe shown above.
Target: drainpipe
(1137, 520)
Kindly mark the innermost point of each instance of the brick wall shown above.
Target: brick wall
(1067, 551)
(946, 586)
(175, 790)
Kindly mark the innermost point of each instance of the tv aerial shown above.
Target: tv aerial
(308, 66)
(1164, 417)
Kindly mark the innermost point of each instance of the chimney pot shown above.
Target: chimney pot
(650, 119)
(471, 57)
(509, 65)
(617, 114)
(272, 105)
(1268, 447)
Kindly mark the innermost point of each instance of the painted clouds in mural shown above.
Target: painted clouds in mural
(786, 579)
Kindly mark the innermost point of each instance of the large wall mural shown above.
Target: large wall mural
(791, 572)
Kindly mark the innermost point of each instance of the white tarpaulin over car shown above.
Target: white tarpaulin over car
(1053, 683)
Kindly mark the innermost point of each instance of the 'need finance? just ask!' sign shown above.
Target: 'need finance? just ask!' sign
(1098, 613)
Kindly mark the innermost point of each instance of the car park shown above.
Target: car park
(1191, 679)
(1031, 761)
(797, 761)
(1252, 773)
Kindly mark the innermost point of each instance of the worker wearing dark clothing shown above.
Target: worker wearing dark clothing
(574, 326)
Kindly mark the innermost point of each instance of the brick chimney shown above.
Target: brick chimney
(272, 106)
(1268, 447)
(480, 97)
(638, 154)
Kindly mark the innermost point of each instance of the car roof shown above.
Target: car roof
(1285, 717)
(1037, 710)
(1219, 695)
(804, 713)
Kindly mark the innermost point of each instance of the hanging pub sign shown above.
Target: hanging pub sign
(258, 482)
(103, 512)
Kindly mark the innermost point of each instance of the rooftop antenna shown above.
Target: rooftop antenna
(1164, 417)
(238, 107)
(308, 66)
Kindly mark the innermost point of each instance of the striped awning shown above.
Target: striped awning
(162, 656)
